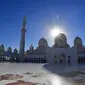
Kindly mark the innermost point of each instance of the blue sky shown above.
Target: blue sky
(41, 15)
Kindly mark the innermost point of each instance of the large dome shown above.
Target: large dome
(42, 43)
(60, 41)
(61, 37)
(77, 41)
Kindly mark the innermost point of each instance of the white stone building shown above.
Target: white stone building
(59, 52)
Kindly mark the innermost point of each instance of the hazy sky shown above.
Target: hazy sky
(41, 16)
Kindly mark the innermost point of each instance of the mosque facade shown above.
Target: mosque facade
(60, 52)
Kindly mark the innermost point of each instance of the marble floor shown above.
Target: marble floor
(40, 74)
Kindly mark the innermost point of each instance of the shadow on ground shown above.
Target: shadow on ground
(53, 68)
(61, 69)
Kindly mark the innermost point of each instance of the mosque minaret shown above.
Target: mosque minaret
(22, 41)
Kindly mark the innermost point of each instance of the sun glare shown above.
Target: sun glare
(55, 31)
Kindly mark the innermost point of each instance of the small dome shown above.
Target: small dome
(9, 49)
(2, 47)
(15, 51)
(77, 41)
(31, 47)
(42, 43)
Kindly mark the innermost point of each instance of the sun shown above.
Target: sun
(55, 32)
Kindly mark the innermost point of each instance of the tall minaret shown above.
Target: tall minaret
(22, 41)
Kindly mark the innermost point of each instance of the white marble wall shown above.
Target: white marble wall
(51, 52)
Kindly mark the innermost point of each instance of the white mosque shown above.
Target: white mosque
(60, 52)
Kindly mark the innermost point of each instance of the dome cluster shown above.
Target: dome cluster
(60, 41)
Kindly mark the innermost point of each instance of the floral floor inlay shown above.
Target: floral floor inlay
(10, 77)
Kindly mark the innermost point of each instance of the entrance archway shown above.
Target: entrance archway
(62, 58)
(68, 59)
(55, 59)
